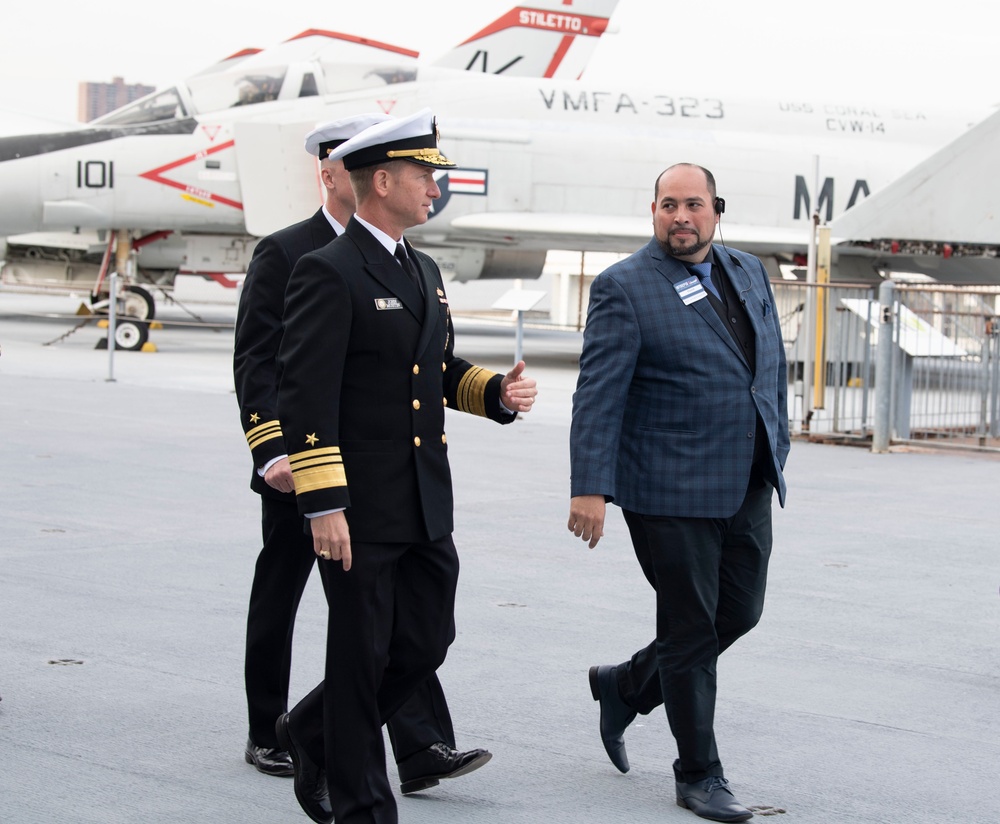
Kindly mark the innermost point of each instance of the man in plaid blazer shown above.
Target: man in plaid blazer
(680, 418)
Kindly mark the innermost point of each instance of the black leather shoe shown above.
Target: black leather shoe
(616, 715)
(711, 799)
(269, 760)
(310, 781)
(425, 768)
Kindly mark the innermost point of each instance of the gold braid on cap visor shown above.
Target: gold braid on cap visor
(428, 155)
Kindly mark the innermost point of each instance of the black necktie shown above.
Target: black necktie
(408, 267)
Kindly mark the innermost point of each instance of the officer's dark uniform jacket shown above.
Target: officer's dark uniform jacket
(258, 334)
(367, 367)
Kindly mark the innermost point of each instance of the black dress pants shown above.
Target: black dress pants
(391, 623)
(709, 575)
(282, 570)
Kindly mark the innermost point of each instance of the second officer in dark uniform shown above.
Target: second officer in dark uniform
(367, 368)
(421, 732)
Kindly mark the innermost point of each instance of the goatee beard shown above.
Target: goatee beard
(679, 251)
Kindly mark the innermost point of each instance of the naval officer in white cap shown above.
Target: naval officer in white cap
(367, 369)
(421, 731)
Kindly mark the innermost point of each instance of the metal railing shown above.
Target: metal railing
(943, 374)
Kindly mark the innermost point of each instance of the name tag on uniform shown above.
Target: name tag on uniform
(382, 304)
(690, 290)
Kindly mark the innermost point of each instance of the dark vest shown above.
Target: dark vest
(732, 311)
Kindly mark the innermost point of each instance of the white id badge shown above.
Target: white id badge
(690, 290)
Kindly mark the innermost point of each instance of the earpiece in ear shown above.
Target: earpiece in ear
(720, 205)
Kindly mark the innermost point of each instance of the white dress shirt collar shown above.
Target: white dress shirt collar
(333, 222)
(380, 236)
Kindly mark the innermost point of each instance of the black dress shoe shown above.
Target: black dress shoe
(616, 715)
(269, 760)
(711, 799)
(310, 781)
(424, 769)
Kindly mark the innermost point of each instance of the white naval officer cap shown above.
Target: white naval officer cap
(412, 138)
(328, 136)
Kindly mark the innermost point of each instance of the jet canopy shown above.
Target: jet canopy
(313, 63)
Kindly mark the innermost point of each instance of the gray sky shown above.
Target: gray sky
(853, 51)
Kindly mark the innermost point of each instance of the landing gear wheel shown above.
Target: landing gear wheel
(130, 335)
(138, 303)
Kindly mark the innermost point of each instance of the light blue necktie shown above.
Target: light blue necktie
(704, 273)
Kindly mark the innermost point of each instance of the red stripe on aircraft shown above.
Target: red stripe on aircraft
(145, 240)
(557, 58)
(156, 175)
(527, 18)
(241, 53)
(351, 38)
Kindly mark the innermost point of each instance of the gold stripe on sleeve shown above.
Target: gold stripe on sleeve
(472, 391)
(265, 432)
(317, 469)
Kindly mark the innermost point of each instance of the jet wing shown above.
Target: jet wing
(589, 232)
(948, 198)
(552, 230)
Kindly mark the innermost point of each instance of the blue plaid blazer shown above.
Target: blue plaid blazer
(664, 414)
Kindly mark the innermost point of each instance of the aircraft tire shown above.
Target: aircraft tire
(136, 303)
(139, 303)
(130, 335)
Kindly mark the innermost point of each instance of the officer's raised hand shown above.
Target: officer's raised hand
(517, 392)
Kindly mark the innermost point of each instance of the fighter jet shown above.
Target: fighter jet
(175, 172)
(196, 173)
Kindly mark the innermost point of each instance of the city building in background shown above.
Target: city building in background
(96, 99)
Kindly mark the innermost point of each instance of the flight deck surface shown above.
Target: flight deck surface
(869, 692)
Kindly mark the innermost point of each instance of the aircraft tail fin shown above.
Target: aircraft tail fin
(947, 198)
(548, 38)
